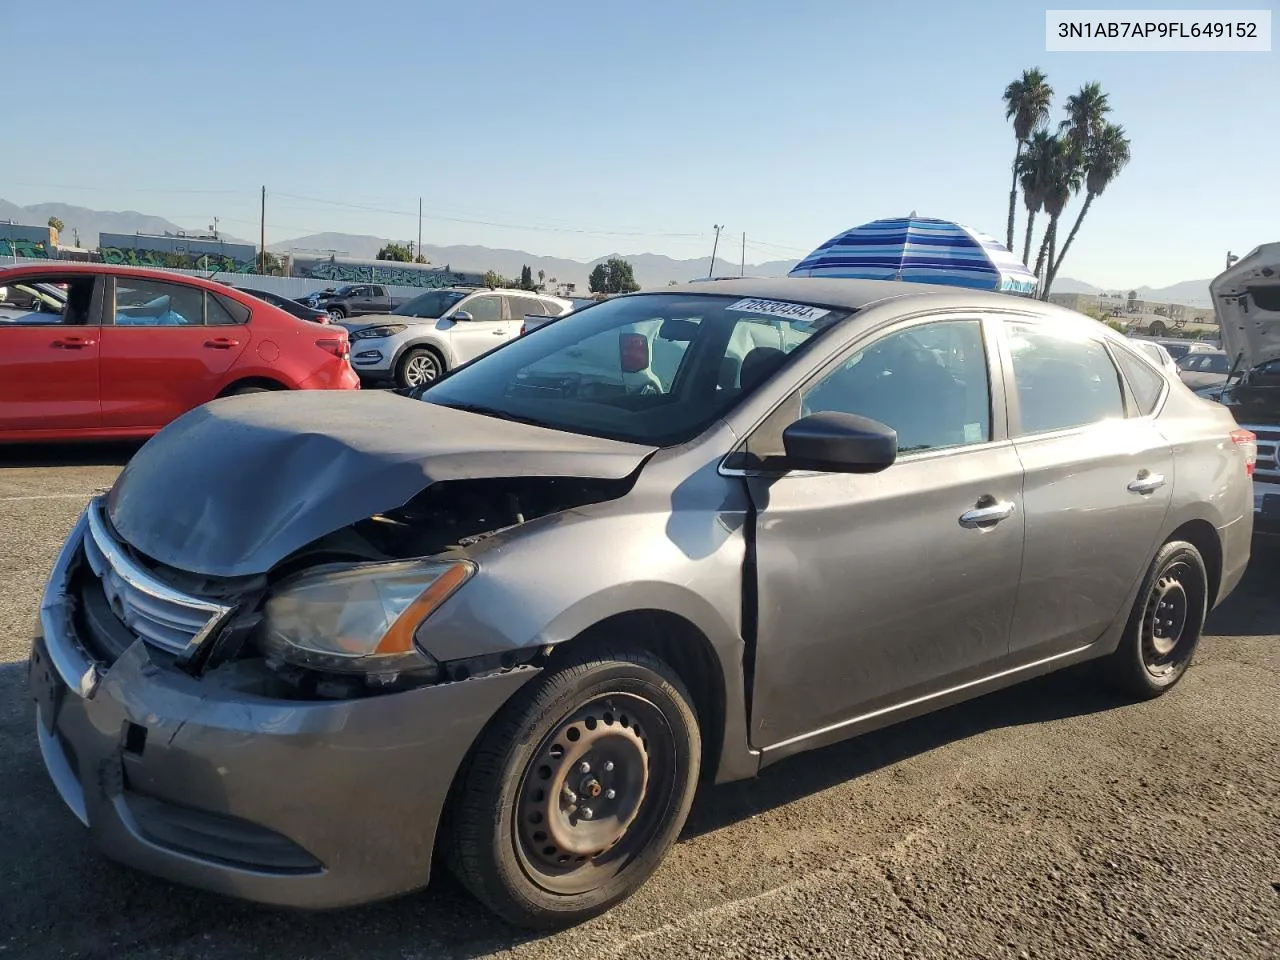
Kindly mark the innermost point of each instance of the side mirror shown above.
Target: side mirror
(462, 315)
(840, 443)
(633, 352)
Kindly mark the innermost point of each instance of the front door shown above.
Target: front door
(1099, 481)
(49, 349)
(874, 590)
(159, 357)
(485, 330)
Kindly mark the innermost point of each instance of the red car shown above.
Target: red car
(92, 351)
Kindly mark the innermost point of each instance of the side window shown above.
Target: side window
(929, 382)
(377, 292)
(487, 308)
(1145, 383)
(151, 303)
(1062, 381)
(46, 301)
(520, 306)
(220, 311)
(1217, 363)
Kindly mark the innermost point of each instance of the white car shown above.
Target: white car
(1157, 354)
(441, 329)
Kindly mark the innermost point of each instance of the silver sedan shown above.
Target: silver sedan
(309, 642)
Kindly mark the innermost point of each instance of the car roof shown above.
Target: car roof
(62, 268)
(847, 294)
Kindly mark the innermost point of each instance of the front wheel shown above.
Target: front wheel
(1165, 624)
(419, 366)
(577, 790)
(336, 315)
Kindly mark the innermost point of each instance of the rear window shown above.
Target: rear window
(1146, 384)
(224, 311)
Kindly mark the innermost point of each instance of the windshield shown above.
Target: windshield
(429, 306)
(656, 369)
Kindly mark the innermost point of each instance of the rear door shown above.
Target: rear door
(486, 329)
(49, 354)
(1099, 481)
(160, 358)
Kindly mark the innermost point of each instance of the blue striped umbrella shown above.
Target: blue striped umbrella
(920, 250)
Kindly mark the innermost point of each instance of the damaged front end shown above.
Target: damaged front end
(340, 617)
(320, 553)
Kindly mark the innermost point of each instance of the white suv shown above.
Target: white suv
(441, 329)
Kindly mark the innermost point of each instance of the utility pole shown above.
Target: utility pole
(714, 246)
(743, 271)
(418, 251)
(262, 253)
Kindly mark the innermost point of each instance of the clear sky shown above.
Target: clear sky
(583, 128)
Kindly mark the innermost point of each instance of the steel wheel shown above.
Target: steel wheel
(418, 368)
(1164, 626)
(1176, 592)
(584, 795)
(578, 787)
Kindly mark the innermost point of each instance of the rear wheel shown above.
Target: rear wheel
(247, 388)
(1165, 626)
(419, 366)
(577, 790)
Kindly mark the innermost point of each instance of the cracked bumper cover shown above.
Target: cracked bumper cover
(295, 803)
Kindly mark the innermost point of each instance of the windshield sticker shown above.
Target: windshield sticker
(778, 308)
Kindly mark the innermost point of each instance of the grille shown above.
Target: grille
(1267, 468)
(152, 610)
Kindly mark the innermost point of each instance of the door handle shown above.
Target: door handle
(221, 343)
(73, 343)
(1147, 484)
(988, 515)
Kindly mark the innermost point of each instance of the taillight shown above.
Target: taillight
(1248, 442)
(338, 346)
(524, 328)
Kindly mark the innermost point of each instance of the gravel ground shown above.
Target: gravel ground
(1044, 821)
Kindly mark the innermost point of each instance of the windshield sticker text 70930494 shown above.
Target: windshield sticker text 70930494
(778, 308)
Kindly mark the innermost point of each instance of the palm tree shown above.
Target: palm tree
(1106, 155)
(1026, 103)
(1062, 179)
(1086, 116)
(1033, 171)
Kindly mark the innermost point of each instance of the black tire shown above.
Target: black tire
(1165, 625)
(336, 314)
(417, 363)
(526, 851)
(247, 388)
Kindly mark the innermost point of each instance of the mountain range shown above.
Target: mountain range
(651, 269)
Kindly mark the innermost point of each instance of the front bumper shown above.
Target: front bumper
(289, 802)
(372, 357)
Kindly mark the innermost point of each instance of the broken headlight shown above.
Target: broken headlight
(359, 619)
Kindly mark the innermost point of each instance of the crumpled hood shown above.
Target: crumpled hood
(1247, 327)
(234, 487)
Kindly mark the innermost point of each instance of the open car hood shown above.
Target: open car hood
(232, 488)
(1246, 298)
